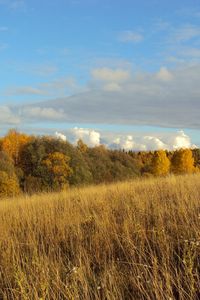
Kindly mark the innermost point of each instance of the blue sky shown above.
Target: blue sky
(120, 68)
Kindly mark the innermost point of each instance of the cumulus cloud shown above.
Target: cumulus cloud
(129, 36)
(134, 142)
(181, 140)
(61, 136)
(89, 136)
(151, 142)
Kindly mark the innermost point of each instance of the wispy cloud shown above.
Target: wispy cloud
(59, 87)
(108, 74)
(129, 36)
(43, 69)
(185, 33)
(26, 90)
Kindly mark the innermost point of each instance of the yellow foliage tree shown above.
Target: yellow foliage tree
(82, 147)
(9, 185)
(160, 163)
(58, 170)
(182, 162)
(13, 144)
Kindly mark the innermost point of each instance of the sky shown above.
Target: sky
(120, 72)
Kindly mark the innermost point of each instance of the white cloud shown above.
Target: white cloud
(151, 142)
(135, 142)
(89, 136)
(181, 140)
(61, 136)
(129, 36)
(110, 75)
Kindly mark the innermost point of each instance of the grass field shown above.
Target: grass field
(132, 240)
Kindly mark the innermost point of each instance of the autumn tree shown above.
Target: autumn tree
(81, 146)
(9, 184)
(160, 163)
(39, 148)
(182, 162)
(57, 166)
(13, 144)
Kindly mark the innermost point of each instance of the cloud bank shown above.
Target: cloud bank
(128, 142)
(165, 98)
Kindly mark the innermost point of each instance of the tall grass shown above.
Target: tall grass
(132, 240)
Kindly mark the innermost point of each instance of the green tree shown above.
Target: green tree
(39, 148)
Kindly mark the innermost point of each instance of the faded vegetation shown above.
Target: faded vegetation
(132, 240)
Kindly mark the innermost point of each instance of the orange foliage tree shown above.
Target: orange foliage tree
(182, 162)
(160, 163)
(13, 143)
(9, 185)
(58, 170)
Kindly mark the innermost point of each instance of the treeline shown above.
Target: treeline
(34, 164)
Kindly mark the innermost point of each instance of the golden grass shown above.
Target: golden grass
(132, 240)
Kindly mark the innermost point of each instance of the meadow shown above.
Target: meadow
(138, 240)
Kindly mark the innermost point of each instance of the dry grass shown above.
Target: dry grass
(132, 240)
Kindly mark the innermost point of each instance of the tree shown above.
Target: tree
(39, 148)
(183, 162)
(58, 170)
(81, 146)
(13, 144)
(160, 163)
(9, 184)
